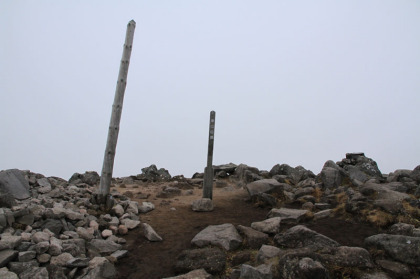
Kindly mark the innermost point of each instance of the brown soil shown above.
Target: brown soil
(177, 224)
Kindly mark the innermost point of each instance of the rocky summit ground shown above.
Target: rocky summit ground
(349, 221)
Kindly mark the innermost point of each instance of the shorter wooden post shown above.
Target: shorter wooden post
(208, 171)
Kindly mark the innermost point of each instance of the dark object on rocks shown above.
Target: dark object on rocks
(90, 177)
(213, 260)
(152, 174)
(13, 182)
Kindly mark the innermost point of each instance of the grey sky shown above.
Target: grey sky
(296, 82)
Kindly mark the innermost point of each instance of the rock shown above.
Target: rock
(270, 226)
(212, 260)
(202, 205)
(253, 238)
(300, 236)
(267, 252)
(322, 214)
(26, 256)
(119, 254)
(150, 233)
(195, 274)
(19, 267)
(246, 174)
(100, 267)
(224, 236)
(6, 274)
(55, 248)
(86, 234)
(347, 257)
(374, 275)
(401, 229)
(331, 177)
(35, 272)
(77, 262)
(43, 258)
(146, 207)
(304, 192)
(56, 226)
(415, 174)
(122, 230)
(402, 248)
(132, 207)
(42, 247)
(91, 178)
(10, 241)
(259, 272)
(288, 215)
(130, 224)
(106, 233)
(263, 186)
(6, 256)
(263, 200)
(118, 210)
(308, 268)
(7, 200)
(13, 182)
(388, 200)
(152, 174)
(61, 260)
(308, 206)
(102, 247)
(45, 185)
(397, 269)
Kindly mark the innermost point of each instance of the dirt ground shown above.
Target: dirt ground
(177, 224)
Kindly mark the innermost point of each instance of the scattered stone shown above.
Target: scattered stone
(347, 256)
(267, 252)
(150, 233)
(146, 207)
(263, 186)
(322, 214)
(102, 247)
(130, 224)
(35, 272)
(260, 272)
(26, 256)
(224, 236)
(6, 256)
(61, 260)
(397, 269)
(6, 274)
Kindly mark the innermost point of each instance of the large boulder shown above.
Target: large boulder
(415, 174)
(386, 199)
(402, 248)
(300, 236)
(295, 175)
(90, 177)
(153, 174)
(263, 186)
(225, 236)
(253, 238)
(14, 183)
(246, 174)
(347, 257)
(364, 164)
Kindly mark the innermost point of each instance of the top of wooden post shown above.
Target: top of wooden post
(132, 22)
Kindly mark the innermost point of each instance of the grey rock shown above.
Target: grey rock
(195, 274)
(168, 192)
(401, 229)
(253, 238)
(7, 256)
(347, 257)
(224, 236)
(130, 224)
(6, 274)
(102, 247)
(146, 207)
(263, 186)
(388, 200)
(270, 226)
(86, 234)
(375, 275)
(45, 185)
(90, 177)
(77, 262)
(118, 210)
(35, 272)
(402, 248)
(26, 256)
(304, 191)
(42, 247)
(267, 252)
(415, 174)
(202, 205)
(100, 267)
(288, 215)
(13, 182)
(322, 214)
(152, 174)
(259, 272)
(54, 225)
(246, 174)
(397, 269)
(43, 258)
(213, 260)
(150, 233)
(56, 247)
(331, 177)
(264, 199)
(119, 254)
(300, 236)
(10, 241)
(308, 268)
(132, 207)
(61, 260)
(19, 267)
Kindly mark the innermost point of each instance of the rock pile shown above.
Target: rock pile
(53, 228)
(281, 247)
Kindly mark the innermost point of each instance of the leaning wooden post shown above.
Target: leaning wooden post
(114, 124)
(208, 171)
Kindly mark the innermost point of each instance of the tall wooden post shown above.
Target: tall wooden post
(114, 124)
(208, 171)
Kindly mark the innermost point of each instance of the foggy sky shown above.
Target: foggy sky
(296, 82)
